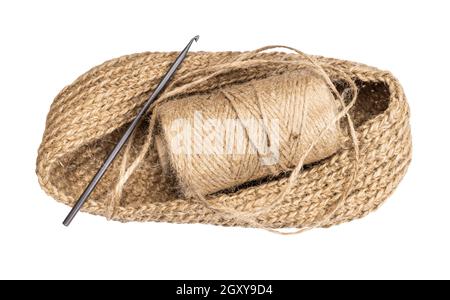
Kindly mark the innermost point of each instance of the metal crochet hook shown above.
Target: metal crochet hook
(90, 188)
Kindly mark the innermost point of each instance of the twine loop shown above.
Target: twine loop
(199, 77)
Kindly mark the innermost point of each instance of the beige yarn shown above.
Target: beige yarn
(280, 117)
(87, 118)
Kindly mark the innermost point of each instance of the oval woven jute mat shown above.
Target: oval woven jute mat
(87, 118)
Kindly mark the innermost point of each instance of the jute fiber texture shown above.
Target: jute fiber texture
(226, 138)
(88, 117)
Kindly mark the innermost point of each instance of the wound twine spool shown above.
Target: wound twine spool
(221, 140)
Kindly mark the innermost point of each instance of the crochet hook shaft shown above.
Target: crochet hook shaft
(90, 188)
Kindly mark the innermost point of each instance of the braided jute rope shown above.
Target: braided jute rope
(88, 116)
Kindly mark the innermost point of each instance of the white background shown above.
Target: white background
(45, 45)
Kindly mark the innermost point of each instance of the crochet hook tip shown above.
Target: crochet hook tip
(195, 38)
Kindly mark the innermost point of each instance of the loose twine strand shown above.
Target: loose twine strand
(243, 61)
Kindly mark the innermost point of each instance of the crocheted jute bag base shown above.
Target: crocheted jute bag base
(87, 118)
